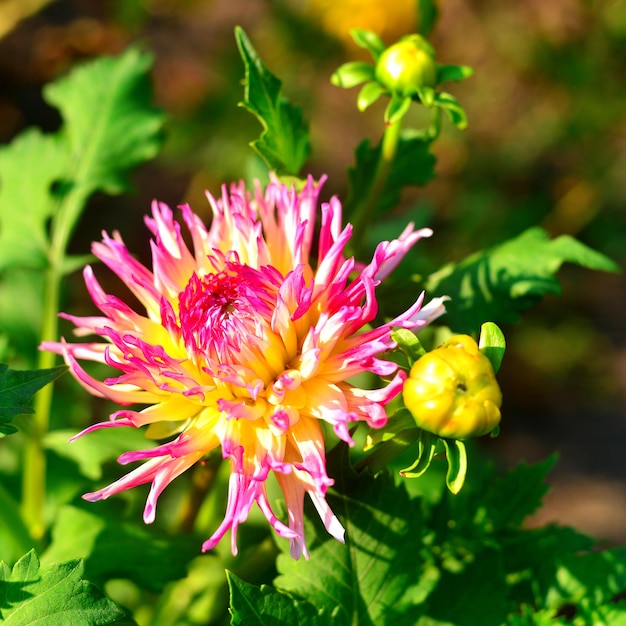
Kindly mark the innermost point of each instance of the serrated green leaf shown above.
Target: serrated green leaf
(476, 595)
(497, 283)
(368, 40)
(109, 122)
(492, 344)
(519, 493)
(264, 606)
(357, 582)
(118, 549)
(52, 594)
(532, 556)
(109, 126)
(351, 74)
(595, 577)
(28, 168)
(413, 165)
(16, 390)
(284, 143)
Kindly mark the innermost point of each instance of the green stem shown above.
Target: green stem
(364, 212)
(34, 476)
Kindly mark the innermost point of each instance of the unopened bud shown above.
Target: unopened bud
(452, 391)
(407, 65)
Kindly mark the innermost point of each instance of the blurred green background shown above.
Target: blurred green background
(546, 144)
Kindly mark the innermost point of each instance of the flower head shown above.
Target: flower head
(246, 345)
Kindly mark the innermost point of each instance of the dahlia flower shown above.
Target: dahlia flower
(247, 345)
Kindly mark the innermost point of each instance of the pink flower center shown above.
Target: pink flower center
(220, 312)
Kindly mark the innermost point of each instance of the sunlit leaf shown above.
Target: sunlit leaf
(29, 166)
(52, 594)
(413, 165)
(109, 127)
(284, 142)
(358, 581)
(100, 446)
(497, 283)
(16, 390)
(264, 606)
(113, 548)
(109, 122)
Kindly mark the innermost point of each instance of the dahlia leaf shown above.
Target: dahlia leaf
(29, 166)
(16, 390)
(14, 536)
(497, 283)
(413, 165)
(264, 606)
(110, 124)
(284, 143)
(596, 577)
(381, 560)
(518, 493)
(475, 595)
(90, 453)
(52, 594)
(117, 549)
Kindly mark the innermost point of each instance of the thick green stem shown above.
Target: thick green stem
(364, 213)
(34, 475)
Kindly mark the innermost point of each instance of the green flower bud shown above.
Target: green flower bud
(407, 65)
(452, 391)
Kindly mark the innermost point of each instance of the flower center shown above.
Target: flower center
(222, 312)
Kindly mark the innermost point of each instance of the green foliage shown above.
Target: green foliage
(109, 126)
(284, 142)
(413, 165)
(26, 204)
(117, 549)
(90, 453)
(379, 562)
(52, 594)
(499, 282)
(464, 559)
(16, 390)
(265, 606)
